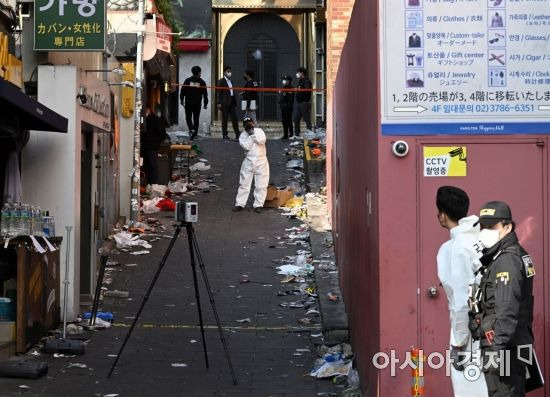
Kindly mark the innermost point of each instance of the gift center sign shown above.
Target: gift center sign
(445, 161)
(69, 25)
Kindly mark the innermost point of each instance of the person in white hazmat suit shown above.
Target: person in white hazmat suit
(457, 263)
(255, 165)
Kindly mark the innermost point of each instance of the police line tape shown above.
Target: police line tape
(264, 89)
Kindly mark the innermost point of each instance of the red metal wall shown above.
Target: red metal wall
(355, 175)
(383, 261)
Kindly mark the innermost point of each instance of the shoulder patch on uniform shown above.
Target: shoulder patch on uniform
(503, 276)
(529, 266)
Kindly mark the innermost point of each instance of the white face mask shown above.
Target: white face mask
(228, 74)
(284, 82)
(297, 75)
(489, 237)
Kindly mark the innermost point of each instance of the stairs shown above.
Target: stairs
(272, 129)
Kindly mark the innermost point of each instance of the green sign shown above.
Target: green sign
(69, 25)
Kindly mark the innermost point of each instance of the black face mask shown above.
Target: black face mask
(248, 127)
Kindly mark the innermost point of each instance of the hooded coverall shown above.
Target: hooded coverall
(254, 165)
(457, 261)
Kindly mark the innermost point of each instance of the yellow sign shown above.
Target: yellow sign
(487, 211)
(445, 161)
(10, 66)
(128, 92)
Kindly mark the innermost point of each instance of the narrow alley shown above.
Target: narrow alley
(272, 354)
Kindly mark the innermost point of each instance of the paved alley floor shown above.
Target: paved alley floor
(272, 354)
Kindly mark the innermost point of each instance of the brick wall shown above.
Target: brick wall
(338, 17)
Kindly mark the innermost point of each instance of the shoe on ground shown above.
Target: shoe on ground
(237, 208)
(258, 210)
(284, 138)
(225, 137)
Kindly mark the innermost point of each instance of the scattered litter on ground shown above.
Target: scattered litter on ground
(117, 294)
(244, 320)
(150, 206)
(77, 365)
(179, 365)
(140, 252)
(200, 166)
(127, 240)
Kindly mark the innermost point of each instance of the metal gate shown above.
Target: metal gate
(262, 59)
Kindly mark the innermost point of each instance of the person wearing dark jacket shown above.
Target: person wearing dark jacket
(192, 94)
(227, 103)
(286, 103)
(505, 319)
(250, 98)
(302, 104)
(154, 134)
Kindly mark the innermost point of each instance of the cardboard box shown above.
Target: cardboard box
(7, 331)
(277, 198)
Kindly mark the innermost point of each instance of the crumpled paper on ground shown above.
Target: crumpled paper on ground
(200, 166)
(150, 206)
(125, 240)
(177, 187)
(155, 190)
(330, 369)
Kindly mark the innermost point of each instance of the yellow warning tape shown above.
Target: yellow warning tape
(184, 326)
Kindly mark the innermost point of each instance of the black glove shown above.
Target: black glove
(458, 357)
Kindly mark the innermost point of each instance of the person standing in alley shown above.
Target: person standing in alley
(227, 103)
(504, 323)
(192, 94)
(286, 103)
(255, 165)
(302, 104)
(457, 264)
(154, 134)
(250, 98)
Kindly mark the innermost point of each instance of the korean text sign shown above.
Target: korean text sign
(69, 25)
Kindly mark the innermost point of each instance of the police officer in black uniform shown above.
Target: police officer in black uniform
(505, 297)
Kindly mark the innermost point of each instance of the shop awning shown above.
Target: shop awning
(193, 45)
(31, 114)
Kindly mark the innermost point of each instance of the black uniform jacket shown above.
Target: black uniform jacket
(507, 294)
(192, 95)
(286, 99)
(304, 96)
(249, 96)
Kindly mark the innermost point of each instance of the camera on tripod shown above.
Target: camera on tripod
(187, 212)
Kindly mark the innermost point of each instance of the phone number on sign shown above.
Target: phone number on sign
(483, 108)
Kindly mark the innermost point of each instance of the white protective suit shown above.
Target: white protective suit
(254, 165)
(457, 260)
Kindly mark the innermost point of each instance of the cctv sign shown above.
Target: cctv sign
(445, 161)
(69, 25)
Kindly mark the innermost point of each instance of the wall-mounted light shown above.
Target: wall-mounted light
(81, 95)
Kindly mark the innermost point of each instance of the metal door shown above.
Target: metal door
(262, 60)
(510, 171)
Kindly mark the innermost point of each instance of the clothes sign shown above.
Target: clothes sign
(445, 161)
(465, 67)
(69, 25)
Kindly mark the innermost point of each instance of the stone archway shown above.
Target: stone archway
(268, 45)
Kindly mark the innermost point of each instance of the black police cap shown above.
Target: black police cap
(493, 212)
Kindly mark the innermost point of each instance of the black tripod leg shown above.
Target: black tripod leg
(146, 297)
(101, 273)
(190, 231)
(189, 228)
